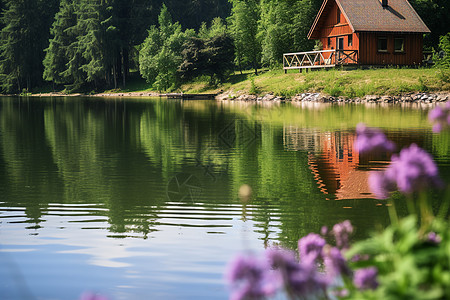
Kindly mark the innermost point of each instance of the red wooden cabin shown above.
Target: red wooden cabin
(383, 32)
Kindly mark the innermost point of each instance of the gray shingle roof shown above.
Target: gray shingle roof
(370, 15)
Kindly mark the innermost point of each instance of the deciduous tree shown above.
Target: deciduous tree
(244, 30)
(160, 54)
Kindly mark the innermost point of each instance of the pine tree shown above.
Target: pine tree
(92, 43)
(56, 58)
(22, 41)
(96, 39)
(132, 18)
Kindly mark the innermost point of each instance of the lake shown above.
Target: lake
(138, 198)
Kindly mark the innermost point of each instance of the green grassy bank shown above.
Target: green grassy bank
(335, 82)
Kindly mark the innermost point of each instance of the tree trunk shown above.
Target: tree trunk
(124, 63)
(240, 64)
(115, 76)
(28, 83)
(255, 65)
(18, 80)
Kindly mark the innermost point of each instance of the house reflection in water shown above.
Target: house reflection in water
(333, 160)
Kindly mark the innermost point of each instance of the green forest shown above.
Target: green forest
(84, 45)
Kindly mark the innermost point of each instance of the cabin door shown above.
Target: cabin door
(339, 46)
(340, 43)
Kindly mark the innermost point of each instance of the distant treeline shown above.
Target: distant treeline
(95, 44)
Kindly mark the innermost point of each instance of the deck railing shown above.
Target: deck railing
(319, 59)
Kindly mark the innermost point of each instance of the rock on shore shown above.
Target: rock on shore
(321, 98)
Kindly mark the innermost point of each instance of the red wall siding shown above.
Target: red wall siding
(369, 55)
(333, 40)
(332, 29)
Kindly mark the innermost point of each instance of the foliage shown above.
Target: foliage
(22, 40)
(211, 54)
(217, 28)
(160, 54)
(244, 30)
(253, 88)
(219, 52)
(193, 59)
(55, 60)
(442, 57)
(435, 14)
(274, 31)
(412, 263)
(318, 46)
(84, 47)
(283, 27)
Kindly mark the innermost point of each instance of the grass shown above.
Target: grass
(334, 82)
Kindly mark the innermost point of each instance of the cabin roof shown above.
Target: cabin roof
(370, 15)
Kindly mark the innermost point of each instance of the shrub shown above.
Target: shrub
(254, 90)
(442, 58)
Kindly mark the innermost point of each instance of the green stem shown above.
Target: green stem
(410, 205)
(426, 215)
(445, 205)
(392, 212)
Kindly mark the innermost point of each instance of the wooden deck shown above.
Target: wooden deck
(189, 96)
(319, 59)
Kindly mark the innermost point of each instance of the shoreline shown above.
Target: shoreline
(412, 97)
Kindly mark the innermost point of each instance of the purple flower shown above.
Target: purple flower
(343, 293)
(301, 279)
(335, 263)
(248, 277)
(381, 185)
(324, 230)
(440, 116)
(310, 246)
(372, 140)
(436, 114)
(433, 238)
(366, 278)
(92, 296)
(437, 127)
(342, 232)
(360, 257)
(412, 170)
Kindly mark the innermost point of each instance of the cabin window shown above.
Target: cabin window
(338, 16)
(399, 45)
(329, 42)
(382, 44)
(350, 40)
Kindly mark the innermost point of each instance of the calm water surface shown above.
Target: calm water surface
(138, 198)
